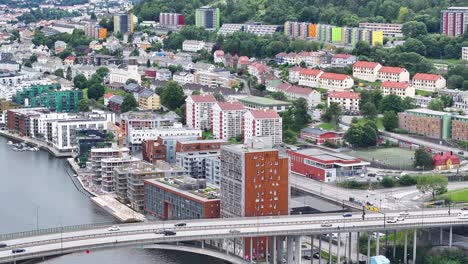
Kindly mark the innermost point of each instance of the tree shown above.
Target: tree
(58, 72)
(93, 16)
(414, 29)
(390, 120)
(303, 64)
(407, 180)
(447, 100)
(96, 91)
(148, 63)
(279, 96)
(423, 159)
(332, 114)
(455, 82)
(362, 134)
(434, 184)
(436, 105)
(172, 96)
(135, 52)
(102, 72)
(129, 103)
(388, 182)
(83, 105)
(393, 103)
(369, 111)
(69, 73)
(129, 81)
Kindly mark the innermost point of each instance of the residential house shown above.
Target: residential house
(335, 81)
(349, 101)
(402, 89)
(428, 82)
(393, 74)
(148, 100)
(309, 77)
(366, 70)
(343, 60)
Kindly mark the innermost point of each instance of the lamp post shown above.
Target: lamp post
(37, 218)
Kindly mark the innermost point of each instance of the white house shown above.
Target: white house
(366, 70)
(262, 123)
(309, 77)
(335, 81)
(402, 89)
(428, 82)
(183, 77)
(293, 92)
(393, 74)
(122, 75)
(349, 101)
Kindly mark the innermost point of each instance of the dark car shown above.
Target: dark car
(180, 224)
(464, 208)
(3, 245)
(347, 214)
(169, 233)
(18, 250)
(316, 256)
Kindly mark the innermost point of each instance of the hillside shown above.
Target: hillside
(336, 12)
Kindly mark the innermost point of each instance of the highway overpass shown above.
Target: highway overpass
(63, 240)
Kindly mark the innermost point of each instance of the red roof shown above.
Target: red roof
(260, 67)
(108, 95)
(231, 106)
(310, 72)
(243, 60)
(299, 90)
(203, 98)
(394, 70)
(342, 56)
(334, 76)
(426, 77)
(350, 95)
(71, 57)
(283, 86)
(280, 55)
(396, 85)
(365, 64)
(295, 68)
(264, 113)
(443, 158)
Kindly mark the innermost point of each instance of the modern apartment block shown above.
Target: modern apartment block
(181, 198)
(227, 119)
(146, 120)
(263, 123)
(95, 31)
(171, 20)
(428, 82)
(198, 111)
(454, 21)
(164, 147)
(349, 101)
(125, 23)
(107, 170)
(254, 182)
(389, 29)
(19, 120)
(460, 128)
(366, 70)
(208, 18)
(98, 154)
(253, 28)
(402, 89)
(256, 102)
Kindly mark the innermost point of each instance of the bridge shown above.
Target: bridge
(284, 233)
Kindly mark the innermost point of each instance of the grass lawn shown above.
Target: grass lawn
(116, 92)
(423, 93)
(327, 126)
(379, 123)
(446, 61)
(457, 195)
(395, 157)
(207, 135)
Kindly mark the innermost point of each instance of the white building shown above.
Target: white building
(195, 45)
(428, 82)
(263, 123)
(227, 119)
(389, 29)
(335, 81)
(198, 111)
(98, 154)
(464, 53)
(107, 170)
(313, 97)
(218, 56)
(393, 74)
(11, 66)
(122, 76)
(293, 76)
(366, 70)
(309, 77)
(183, 77)
(349, 101)
(137, 135)
(402, 89)
(163, 74)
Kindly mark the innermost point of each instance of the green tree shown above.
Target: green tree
(129, 103)
(129, 81)
(135, 52)
(83, 105)
(69, 74)
(148, 63)
(434, 184)
(279, 96)
(332, 114)
(447, 100)
(436, 104)
(455, 82)
(423, 159)
(102, 72)
(369, 111)
(388, 182)
(407, 180)
(58, 72)
(393, 103)
(93, 16)
(362, 134)
(172, 96)
(390, 120)
(96, 91)
(414, 29)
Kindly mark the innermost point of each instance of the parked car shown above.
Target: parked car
(347, 215)
(371, 174)
(114, 228)
(18, 250)
(159, 232)
(461, 153)
(326, 225)
(3, 245)
(169, 233)
(316, 256)
(180, 224)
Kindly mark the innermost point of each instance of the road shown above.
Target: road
(401, 198)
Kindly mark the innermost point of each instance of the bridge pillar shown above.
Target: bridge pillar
(280, 246)
(338, 253)
(368, 246)
(377, 244)
(289, 249)
(441, 238)
(414, 245)
(329, 249)
(450, 237)
(273, 257)
(298, 250)
(394, 245)
(320, 249)
(349, 248)
(405, 257)
(203, 244)
(312, 238)
(357, 246)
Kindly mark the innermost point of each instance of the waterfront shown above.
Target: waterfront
(37, 192)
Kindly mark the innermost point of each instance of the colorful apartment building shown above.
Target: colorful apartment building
(428, 82)
(402, 89)
(49, 96)
(454, 21)
(171, 19)
(227, 119)
(389, 30)
(208, 18)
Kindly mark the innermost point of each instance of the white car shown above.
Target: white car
(114, 228)
(400, 218)
(392, 221)
(404, 213)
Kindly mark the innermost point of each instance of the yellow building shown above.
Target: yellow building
(377, 38)
(148, 100)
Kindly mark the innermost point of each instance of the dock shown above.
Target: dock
(117, 209)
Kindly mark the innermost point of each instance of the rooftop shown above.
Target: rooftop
(351, 95)
(230, 106)
(330, 157)
(203, 98)
(264, 113)
(334, 76)
(427, 111)
(183, 184)
(396, 85)
(426, 77)
(310, 72)
(366, 64)
(262, 101)
(394, 70)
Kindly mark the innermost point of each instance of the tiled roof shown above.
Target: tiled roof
(396, 85)
(394, 70)
(350, 95)
(299, 90)
(365, 64)
(442, 158)
(342, 56)
(203, 98)
(280, 55)
(426, 77)
(264, 113)
(231, 106)
(243, 60)
(108, 95)
(310, 72)
(334, 76)
(283, 86)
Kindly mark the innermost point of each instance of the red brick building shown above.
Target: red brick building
(320, 136)
(19, 120)
(153, 150)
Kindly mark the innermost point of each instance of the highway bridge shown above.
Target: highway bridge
(284, 233)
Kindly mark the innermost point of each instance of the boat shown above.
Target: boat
(9, 143)
(34, 149)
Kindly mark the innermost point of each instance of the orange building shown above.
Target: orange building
(102, 33)
(312, 30)
(254, 182)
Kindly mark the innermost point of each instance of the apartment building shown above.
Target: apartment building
(227, 119)
(118, 75)
(181, 198)
(428, 82)
(171, 19)
(164, 147)
(256, 102)
(366, 70)
(398, 88)
(198, 111)
(107, 170)
(208, 18)
(98, 154)
(183, 77)
(146, 120)
(454, 21)
(149, 100)
(309, 77)
(429, 123)
(390, 30)
(254, 182)
(292, 92)
(263, 123)
(293, 76)
(253, 28)
(335, 81)
(196, 45)
(464, 53)
(136, 136)
(349, 101)
(460, 128)
(393, 74)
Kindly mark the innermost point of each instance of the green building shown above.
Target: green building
(208, 18)
(336, 34)
(49, 96)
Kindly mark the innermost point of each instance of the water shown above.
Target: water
(35, 191)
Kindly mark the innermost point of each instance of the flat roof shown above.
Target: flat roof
(327, 156)
(262, 101)
(427, 111)
(200, 195)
